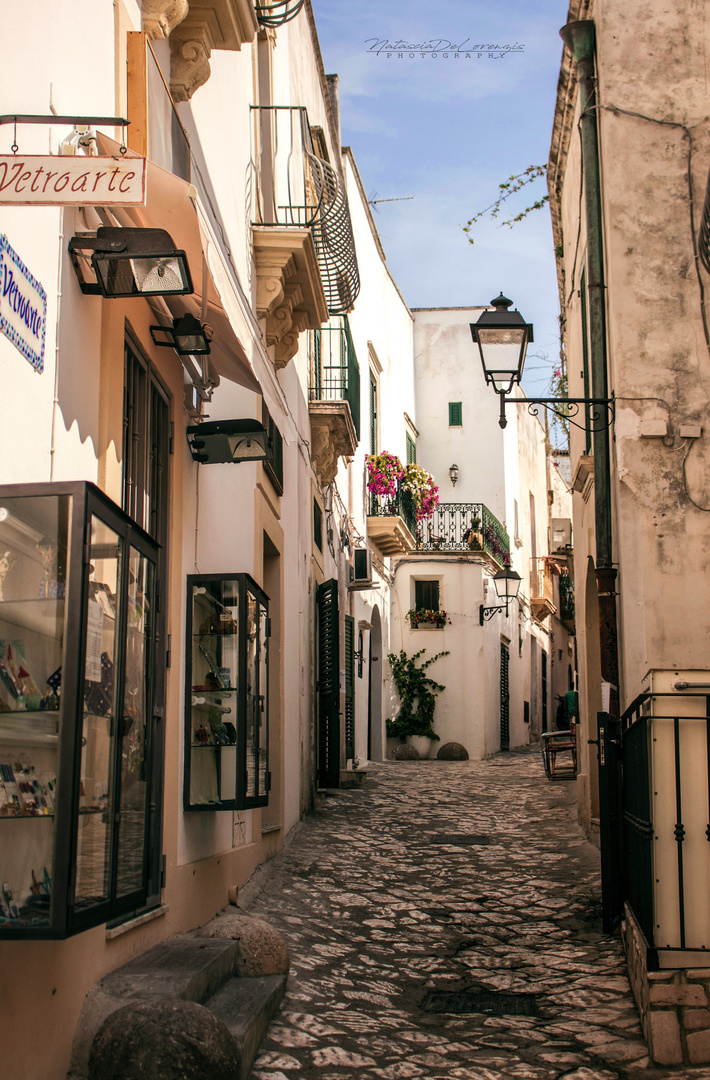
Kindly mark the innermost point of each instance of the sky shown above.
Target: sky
(448, 131)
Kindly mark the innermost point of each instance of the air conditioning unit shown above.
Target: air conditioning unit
(361, 569)
(560, 534)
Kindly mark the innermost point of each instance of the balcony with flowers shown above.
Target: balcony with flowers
(399, 500)
(456, 528)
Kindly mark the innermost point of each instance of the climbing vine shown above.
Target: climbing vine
(510, 187)
(417, 695)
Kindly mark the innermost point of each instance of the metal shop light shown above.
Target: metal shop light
(220, 441)
(130, 262)
(188, 336)
(507, 583)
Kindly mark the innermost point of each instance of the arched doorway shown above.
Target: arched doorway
(375, 739)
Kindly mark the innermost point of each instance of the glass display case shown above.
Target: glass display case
(77, 642)
(226, 693)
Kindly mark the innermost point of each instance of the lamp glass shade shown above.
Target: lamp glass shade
(131, 262)
(502, 337)
(507, 583)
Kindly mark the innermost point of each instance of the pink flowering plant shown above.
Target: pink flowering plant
(424, 491)
(384, 473)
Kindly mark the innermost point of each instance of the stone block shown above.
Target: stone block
(698, 973)
(170, 1039)
(262, 949)
(698, 1047)
(405, 753)
(665, 1038)
(678, 995)
(696, 1019)
(452, 751)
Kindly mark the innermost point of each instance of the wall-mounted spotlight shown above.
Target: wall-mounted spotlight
(453, 474)
(130, 262)
(188, 336)
(219, 441)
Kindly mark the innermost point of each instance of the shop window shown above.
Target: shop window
(226, 693)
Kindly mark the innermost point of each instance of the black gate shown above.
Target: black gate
(609, 758)
(504, 698)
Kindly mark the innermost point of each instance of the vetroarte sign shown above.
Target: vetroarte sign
(23, 306)
(29, 180)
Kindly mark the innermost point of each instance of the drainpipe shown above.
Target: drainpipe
(579, 37)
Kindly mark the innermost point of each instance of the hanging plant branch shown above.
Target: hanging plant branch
(510, 187)
(417, 695)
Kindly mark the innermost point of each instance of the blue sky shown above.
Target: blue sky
(447, 131)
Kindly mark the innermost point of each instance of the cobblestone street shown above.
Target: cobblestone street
(383, 917)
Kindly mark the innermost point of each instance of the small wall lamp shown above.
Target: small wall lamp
(188, 336)
(130, 262)
(220, 441)
(453, 474)
(507, 583)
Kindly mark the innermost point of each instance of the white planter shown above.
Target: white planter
(421, 743)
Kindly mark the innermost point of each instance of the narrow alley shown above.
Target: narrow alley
(469, 878)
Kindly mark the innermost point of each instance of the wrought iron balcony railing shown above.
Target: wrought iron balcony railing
(399, 505)
(293, 187)
(566, 598)
(334, 370)
(464, 527)
(277, 12)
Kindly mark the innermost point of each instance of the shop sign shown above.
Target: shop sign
(30, 180)
(23, 306)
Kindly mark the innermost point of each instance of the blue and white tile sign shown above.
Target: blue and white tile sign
(23, 306)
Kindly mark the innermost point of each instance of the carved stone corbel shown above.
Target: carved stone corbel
(160, 17)
(190, 52)
(209, 24)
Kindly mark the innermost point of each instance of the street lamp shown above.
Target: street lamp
(507, 583)
(502, 337)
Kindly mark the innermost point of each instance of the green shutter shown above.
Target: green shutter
(411, 451)
(373, 416)
(455, 414)
(328, 734)
(349, 687)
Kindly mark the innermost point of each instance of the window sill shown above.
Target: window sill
(133, 924)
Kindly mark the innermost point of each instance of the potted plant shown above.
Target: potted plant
(424, 491)
(384, 473)
(426, 618)
(417, 695)
(472, 536)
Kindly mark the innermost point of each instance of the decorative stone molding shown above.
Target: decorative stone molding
(332, 436)
(209, 24)
(289, 293)
(160, 17)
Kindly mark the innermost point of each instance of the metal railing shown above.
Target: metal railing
(464, 527)
(277, 12)
(334, 371)
(666, 801)
(566, 598)
(293, 187)
(401, 505)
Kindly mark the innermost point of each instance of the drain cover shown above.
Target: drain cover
(459, 839)
(458, 1001)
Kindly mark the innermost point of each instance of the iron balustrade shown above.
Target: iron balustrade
(334, 370)
(469, 527)
(566, 598)
(277, 12)
(293, 187)
(401, 504)
(666, 764)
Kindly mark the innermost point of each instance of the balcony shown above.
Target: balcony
(566, 588)
(301, 230)
(541, 588)
(334, 397)
(392, 522)
(277, 12)
(464, 527)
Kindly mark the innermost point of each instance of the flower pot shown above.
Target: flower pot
(421, 743)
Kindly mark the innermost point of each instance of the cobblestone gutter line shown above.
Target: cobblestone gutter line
(377, 916)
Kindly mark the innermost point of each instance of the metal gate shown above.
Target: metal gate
(504, 698)
(609, 759)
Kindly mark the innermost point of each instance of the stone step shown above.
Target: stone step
(246, 1007)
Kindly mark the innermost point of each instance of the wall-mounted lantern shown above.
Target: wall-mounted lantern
(219, 441)
(130, 262)
(453, 474)
(188, 336)
(507, 583)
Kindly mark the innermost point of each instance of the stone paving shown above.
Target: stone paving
(378, 915)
